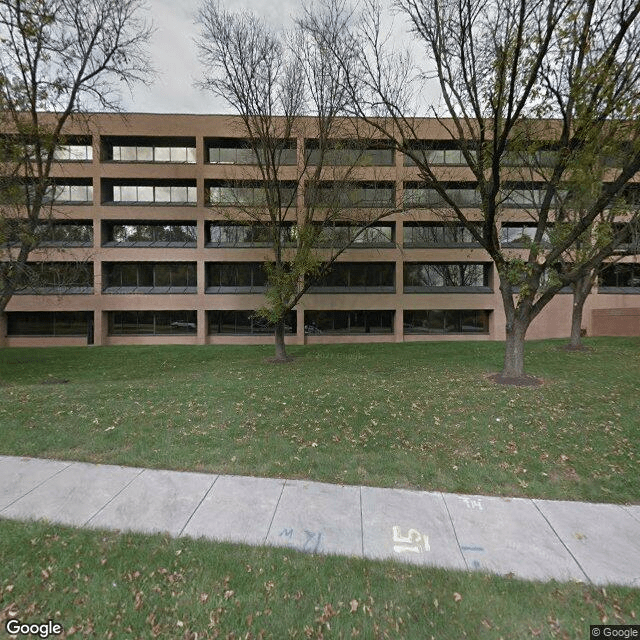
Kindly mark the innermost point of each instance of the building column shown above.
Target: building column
(201, 315)
(300, 326)
(399, 325)
(100, 327)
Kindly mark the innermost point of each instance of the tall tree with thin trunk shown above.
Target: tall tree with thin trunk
(503, 69)
(285, 88)
(58, 60)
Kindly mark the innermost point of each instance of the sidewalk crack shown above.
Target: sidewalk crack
(455, 533)
(273, 517)
(562, 542)
(53, 475)
(108, 502)
(204, 497)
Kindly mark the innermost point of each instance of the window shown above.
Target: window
(156, 323)
(545, 157)
(245, 323)
(435, 152)
(48, 323)
(418, 194)
(446, 321)
(530, 196)
(515, 234)
(622, 275)
(49, 234)
(68, 234)
(74, 153)
(250, 193)
(631, 237)
(174, 150)
(429, 234)
(339, 235)
(70, 194)
(439, 276)
(179, 194)
(363, 194)
(358, 276)
(149, 277)
(238, 151)
(350, 152)
(348, 322)
(222, 234)
(41, 278)
(235, 277)
(173, 234)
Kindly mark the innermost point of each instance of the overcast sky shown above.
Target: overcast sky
(174, 56)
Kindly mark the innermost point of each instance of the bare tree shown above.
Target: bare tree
(58, 59)
(503, 69)
(285, 88)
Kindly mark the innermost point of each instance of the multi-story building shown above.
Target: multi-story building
(144, 205)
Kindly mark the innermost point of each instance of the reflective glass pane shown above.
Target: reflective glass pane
(145, 194)
(128, 154)
(179, 194)
(127, 193)
(145, 154)
(163, 194)
(162, 154)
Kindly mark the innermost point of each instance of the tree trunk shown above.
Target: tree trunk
(281, 352)
(580, 293)
(514, 349)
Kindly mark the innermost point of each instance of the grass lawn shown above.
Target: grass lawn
(419, 415)
(105, 585)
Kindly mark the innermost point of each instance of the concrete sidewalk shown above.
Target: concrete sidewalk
(531, 539)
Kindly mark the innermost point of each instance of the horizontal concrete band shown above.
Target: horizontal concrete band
(530, 539)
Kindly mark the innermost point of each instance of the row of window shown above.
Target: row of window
(184, 234)
(250, 277)
(148, 153)
(156, 194)
(327, 194)
(337, 152)
(335, 194)
(80, 323)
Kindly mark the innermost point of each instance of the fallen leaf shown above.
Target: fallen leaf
(354, 605)
(456, 596)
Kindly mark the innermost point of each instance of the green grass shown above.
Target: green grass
(106, 585)
(419, 415)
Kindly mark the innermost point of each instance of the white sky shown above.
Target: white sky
(174, 56)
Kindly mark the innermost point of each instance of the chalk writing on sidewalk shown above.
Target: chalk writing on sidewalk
(306, 540)
(473, 503)
(413, 542)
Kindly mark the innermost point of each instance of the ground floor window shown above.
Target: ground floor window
(155, 323)
(622, 274)
(48, 323)
(446, 321)
(244, 323)
(348, 322)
